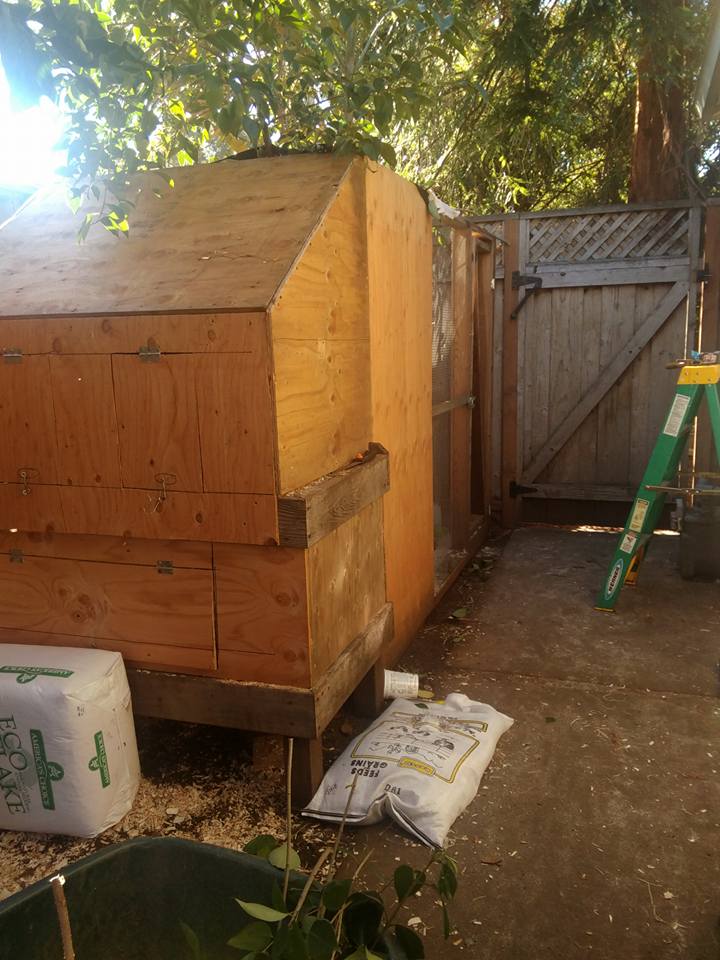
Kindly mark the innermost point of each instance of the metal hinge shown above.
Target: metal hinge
(149, 354)
(12, 355)
(702, 276)
(165, 566)
(16, 555)
(531, 280)
(517, 489)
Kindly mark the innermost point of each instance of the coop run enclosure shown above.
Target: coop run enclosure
(216, 448)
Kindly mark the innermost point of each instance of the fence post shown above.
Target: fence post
(509, 447)
(709, 323)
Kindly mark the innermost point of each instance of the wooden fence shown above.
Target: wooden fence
(590, 305)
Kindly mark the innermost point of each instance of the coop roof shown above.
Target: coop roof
(222, 239)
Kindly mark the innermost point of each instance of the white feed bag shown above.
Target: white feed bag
(68, 756)
(419, 763)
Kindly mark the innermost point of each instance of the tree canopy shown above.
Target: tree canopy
(499, 104)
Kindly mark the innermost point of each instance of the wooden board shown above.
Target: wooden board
(346, 584)
(235, 421)
(109, 549)
(109, 601)
(157, 410)
(510, 468)
(27, 431)
(332, 689)
(265, 708)
(322, 404)
(41, 510)
(170, 333)
(400, 291)
(85, 422)
(312, 512)
(325, 297)
(319, 328)
(222, 239)
(156, 656)
(262, 614)
(224, 517)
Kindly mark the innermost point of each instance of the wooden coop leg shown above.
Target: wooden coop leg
(368, 698)
(307, 770)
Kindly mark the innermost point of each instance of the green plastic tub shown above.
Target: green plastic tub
(127, 902)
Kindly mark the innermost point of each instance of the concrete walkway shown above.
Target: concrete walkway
(596, 829)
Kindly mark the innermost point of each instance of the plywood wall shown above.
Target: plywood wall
(320, 342)
(400, 301)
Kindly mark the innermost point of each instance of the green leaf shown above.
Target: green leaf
(261, 912)
(363, 917)
(277, 901)
(410, 943)
(296, 947)
(321, 940)
(280, 855)
(459, 614)
(404, 881)
(383, 110)
(254, 937)
(191, 938)
(335, 894)
(446, 921)
(261, 846)
(447, 881)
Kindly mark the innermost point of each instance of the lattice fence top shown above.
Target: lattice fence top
(601, 235)
(633, 234)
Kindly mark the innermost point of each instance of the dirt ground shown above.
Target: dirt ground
(595, 831)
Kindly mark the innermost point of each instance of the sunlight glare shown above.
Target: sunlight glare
(28, 157)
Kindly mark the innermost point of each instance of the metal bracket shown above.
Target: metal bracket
(149, 353)
(517, 489)
(12, 355)
(25, 476)
(531, 280)
(165, 566)
(16, 555)
(702, 276)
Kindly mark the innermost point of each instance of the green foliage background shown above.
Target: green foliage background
(497, 105)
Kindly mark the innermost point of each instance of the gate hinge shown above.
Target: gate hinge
(525, 280)
(165, 566)
(16, 555)
(517, 489)
(149, 353)
(531, 280)
(12, 355)
(702, 276)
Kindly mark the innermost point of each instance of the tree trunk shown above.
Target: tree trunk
(658, 165)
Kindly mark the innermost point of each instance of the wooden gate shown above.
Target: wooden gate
(590, 305)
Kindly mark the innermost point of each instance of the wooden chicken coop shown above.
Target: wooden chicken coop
(216, 437)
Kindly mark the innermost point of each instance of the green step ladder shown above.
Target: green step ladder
(698, 378)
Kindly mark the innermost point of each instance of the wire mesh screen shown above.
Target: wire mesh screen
(443, 328)
(443, 337)
(442, 503)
